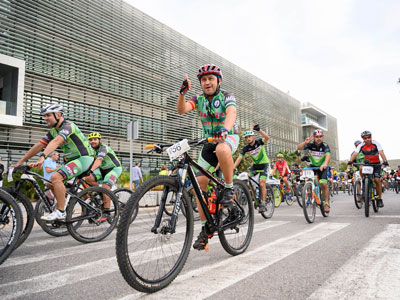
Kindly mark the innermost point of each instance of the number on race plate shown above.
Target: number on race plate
(178, 149)
(308, 173)
(368, 170)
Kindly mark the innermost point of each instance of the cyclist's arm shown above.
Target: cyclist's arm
(182, 106)
(96, 164)
(264, 135)
(31, 153)
(48, 170)
(353, 156)
(273, 171)
(382, 154)
(327, 159)
(237, 162)
(53, 145)
(230, 117)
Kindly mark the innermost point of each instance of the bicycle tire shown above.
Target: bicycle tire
(131, 269)
(309, 203)
(397, 187)
(235, 240)
(374, 202)
(358, 200)
(123, 194)
(290, 201)
(27, 215)
(99, 226)
(277, 195)
(56, 229)
(367, 195)
(11, 224)
(322, 207)
(270, 206)
(299, 192)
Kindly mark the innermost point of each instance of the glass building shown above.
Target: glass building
(109, 63)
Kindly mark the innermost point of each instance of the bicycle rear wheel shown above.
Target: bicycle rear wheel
(27, 214)
(277, 195)
(358, 200)
(309, 204)
(299, 192)
(270, 203)
(53, 228)
(94, 223)
(150, 257)
(11, 224)
(374, 201)
(236, 238)
(123, 195)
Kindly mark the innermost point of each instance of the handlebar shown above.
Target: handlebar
(160, 147)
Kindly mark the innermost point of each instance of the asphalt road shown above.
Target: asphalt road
(344, 256)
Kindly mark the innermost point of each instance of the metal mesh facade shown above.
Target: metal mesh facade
(109, 63)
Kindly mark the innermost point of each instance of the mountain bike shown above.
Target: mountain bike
(11, 224)
(153, 250)
(85, 220)
(289, 197)
(312, 196)
(369, 193)
(253, 183)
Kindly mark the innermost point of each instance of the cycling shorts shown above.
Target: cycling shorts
(75, 167)
(263, 171)
(208, 158)
(322, 175)
(108, 176)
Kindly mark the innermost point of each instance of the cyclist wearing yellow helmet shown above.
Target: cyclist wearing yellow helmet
(106, 167)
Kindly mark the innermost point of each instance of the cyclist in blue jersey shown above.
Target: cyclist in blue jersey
(217, 112)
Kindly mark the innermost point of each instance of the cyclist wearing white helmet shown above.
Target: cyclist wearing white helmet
(256, 149)
(77, 154)
(217, 112)
(372, 150)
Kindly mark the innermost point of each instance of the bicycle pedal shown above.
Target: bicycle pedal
(207, 247)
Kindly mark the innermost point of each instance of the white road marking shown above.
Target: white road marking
(373, 273)
(90, 270)
(217, 277)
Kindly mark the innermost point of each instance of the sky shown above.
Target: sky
(343, 56)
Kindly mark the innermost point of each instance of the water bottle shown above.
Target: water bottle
(257, 192)
(212, 202)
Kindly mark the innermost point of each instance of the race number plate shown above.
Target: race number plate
(368, 170)
(177, 149)
(308, 173)
(397, 178)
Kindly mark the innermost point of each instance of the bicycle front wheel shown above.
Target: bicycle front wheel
(290, 197)
(374, 201)
(236, 238)
(27, 214)
(367, 196)
(11, 224)
(309, 204)
(95, 223)
(123, 195)
(358, 200)
(270, 203)
(150, 253)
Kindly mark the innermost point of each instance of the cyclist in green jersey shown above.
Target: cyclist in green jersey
(256, 149)
(78, 155)
(320, 155)
(217, 112)
(360, 156)
(106, 167)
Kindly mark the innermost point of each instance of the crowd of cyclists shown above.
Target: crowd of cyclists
(98, 164)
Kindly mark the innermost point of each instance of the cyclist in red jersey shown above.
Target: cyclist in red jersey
(283, 169)
(371, 150)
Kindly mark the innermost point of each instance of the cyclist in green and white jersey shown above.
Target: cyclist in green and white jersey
(78, 154)
(360, 156)
(217, 112)
(106, 167)
(256, 149)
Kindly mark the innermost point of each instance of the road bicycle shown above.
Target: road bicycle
(152, 251)
(369, 193)
(312, 196)
(11, 224)
(85, 220)
(253, 183)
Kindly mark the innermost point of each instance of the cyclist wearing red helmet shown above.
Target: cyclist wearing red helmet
(217, 113)
(371, 150)
(320, 155)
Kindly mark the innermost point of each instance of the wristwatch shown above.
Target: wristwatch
(43, 155)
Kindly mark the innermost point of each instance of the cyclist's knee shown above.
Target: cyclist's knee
(223, 149)
(56, 177)
(107, 185)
